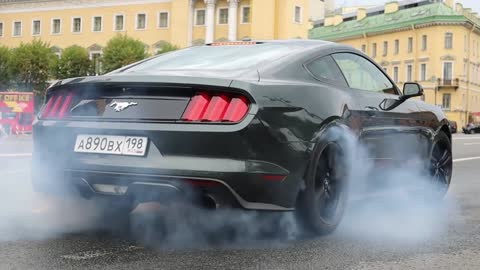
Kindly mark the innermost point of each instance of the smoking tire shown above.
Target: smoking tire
(321, 205)
(441, 166)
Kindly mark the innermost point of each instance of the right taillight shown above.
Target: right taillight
(216, 108)
(57, 107)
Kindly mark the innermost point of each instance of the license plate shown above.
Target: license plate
(111, 145)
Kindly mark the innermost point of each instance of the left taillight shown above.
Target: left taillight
(57, 107)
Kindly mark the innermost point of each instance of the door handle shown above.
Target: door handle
(371, 111)
(371, 108)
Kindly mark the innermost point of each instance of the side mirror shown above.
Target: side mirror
(409, 90)
(412, 90)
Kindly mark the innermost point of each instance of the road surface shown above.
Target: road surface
(389, 235)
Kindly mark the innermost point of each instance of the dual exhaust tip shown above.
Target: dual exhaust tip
(207, 200)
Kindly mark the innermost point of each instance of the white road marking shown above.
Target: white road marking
(466, 138)
(465, 159)
(16, 155)
(13, 172)
(475, 143)
(91, 254)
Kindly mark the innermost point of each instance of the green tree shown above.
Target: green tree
(5, 68)
(32, 65)
(168, 47)
(74, 62)
(122, 50)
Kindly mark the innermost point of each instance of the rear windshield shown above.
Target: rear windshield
(215, 57)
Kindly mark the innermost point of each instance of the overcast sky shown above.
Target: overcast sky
(473, 4)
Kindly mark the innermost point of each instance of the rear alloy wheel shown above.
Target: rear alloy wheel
(322, 204)
(441, 165)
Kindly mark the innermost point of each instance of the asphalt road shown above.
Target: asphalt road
(388, 234)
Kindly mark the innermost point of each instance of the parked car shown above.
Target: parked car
(453, 126)
(471, 128)
(249, 125)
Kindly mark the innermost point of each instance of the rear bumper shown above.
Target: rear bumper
(240, 164)
(249, 190)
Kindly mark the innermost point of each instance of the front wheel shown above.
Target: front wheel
(322, 204)
(441, 165)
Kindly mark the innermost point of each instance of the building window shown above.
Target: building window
(245, 14)
(119, 23)
(448, 40)
(77, 25)
(97, 24)
(410, 44)
(374, 50)
(96, 58)
(385, 48)
(397, 46)
(409, 73)
(36, 27)
(395, 74)
(423, 72)
(17, 29)
(163, 20)
(141, 23)
(222, 16)
(447, 71)
(424, 42)
(446, 101)
(364, 48)
(200, 17)
(56, 26)
(298, 14)
(1, 29)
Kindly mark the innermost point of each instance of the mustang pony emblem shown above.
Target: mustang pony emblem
(120, 106)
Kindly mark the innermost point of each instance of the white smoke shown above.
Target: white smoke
(398, 215)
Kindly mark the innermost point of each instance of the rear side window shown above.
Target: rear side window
(325, 69)
(362, 74)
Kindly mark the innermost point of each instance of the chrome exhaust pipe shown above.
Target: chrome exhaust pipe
(210, 202)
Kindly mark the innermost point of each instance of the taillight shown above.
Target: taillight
(216, 108)
(57, 106)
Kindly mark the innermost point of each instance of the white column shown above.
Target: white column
(232, 19)
(210, 21)
(191, 14)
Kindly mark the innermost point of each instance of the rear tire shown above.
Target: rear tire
(441, 166)
(321, 206)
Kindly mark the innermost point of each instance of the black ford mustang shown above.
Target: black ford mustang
(252, 125)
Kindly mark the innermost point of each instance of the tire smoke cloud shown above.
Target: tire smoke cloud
(400, 211)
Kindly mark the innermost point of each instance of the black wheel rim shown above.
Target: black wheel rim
(441, 168)
(329, 184)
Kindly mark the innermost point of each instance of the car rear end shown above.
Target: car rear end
(141, 138)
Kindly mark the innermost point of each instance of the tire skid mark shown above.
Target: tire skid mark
(92, 254)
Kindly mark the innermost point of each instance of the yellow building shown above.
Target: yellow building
(180, 22)
(436, 44)
(91, 23)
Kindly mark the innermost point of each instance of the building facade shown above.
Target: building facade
(435, 43)
(91, 23)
